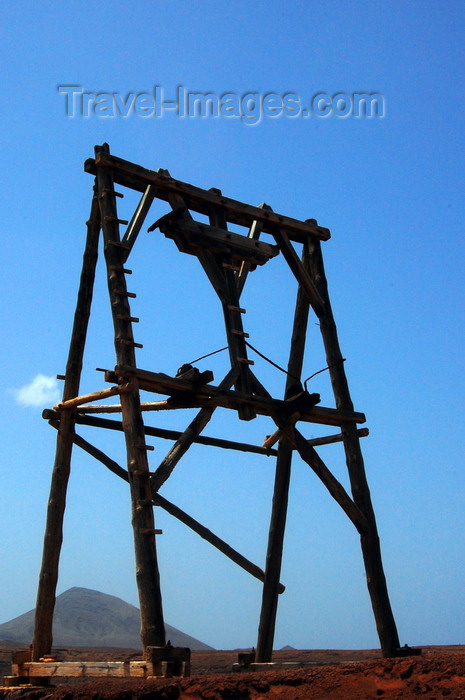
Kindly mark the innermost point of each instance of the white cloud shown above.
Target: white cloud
(42, 391)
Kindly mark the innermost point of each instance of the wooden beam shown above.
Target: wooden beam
(222, 279)
(136, 177)
(277, 527)
(147, 578)
(94, 396)
(184, 442)
(86, 669)
(192, 235)
(232, 318)
(137, 221)
(369, 539)
(164, 405)
(48, 577)
(331, 439)
(212, 395)
(84, 419)
(213, 539)
(335, 488)
(173, 510)
(297, 269)
(95, 452)
(271, 440)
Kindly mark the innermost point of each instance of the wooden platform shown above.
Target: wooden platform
(161, 662)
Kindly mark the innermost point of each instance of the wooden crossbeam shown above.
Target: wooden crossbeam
(192, 235)
(297, 269)
(186, 439)
(172, 509)
(208, 535)
(163, 433)
(136, 177)
(335, 488)
(212, 395)
(339, 437)
(137, 221)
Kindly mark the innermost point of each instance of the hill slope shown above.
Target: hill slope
(87, 618)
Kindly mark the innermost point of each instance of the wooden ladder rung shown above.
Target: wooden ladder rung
(131, 343)
(240, 334)
(244, 361)
(123, 270)
(123, 293)
(132, 319)
(236, 309)
(117, 194)
(115, 220)
(118, 244)
(150, 531)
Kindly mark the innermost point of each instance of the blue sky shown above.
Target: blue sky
(391, 191)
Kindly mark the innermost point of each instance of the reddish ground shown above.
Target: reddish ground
(338, 675)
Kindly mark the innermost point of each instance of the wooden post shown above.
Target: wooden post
(48, 577)
(371, 550)
(233, 323)
(147, 574)
(281, 488)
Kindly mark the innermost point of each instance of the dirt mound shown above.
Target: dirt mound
(432, 676)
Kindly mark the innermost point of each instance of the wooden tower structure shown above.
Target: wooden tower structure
(227, 257)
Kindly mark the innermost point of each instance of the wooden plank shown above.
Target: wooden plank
(136, 177)
(87, 669)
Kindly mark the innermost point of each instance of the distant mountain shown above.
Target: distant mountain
(87, 618)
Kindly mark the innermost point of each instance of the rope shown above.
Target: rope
(209, 355)
(267, 359)
(343, 359)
